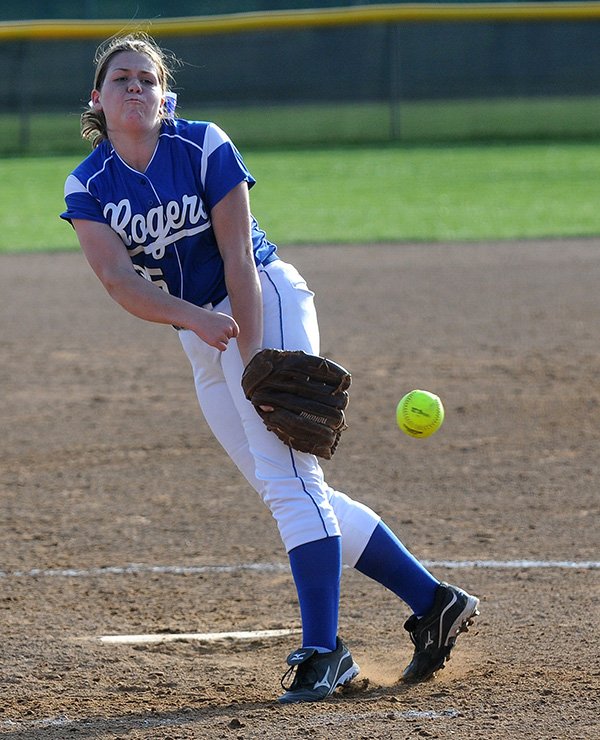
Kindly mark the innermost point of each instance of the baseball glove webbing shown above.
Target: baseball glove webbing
(307, 394)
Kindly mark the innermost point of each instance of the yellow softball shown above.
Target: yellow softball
(419, 413)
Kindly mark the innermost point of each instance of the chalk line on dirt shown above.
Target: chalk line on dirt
(493, 564)
(139, 568)
(127, 724)
(197, 636)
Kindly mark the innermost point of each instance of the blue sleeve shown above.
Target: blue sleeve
(80, 203)
(225, 167)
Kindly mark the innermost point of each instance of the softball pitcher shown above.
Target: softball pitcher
(161, 210)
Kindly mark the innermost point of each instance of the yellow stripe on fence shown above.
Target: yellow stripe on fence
(294, 19)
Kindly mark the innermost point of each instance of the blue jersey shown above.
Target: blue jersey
(163, 214)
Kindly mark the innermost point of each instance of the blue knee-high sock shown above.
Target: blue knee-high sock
(317, 570)
(387, 561)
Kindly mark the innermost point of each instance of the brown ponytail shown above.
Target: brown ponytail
(93, 127)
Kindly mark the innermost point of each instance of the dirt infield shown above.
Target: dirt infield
(121, 516)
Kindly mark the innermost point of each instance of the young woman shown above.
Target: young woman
(161, 210)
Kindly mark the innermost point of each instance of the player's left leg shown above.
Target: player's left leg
(308, 527)
(215, 401)
(290, 483)
(323, 662)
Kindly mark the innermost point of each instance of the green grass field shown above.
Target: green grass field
(364, 194)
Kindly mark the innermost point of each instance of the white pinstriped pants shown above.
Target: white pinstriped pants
(290, 483)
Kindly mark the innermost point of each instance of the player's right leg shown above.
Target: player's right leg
(440, 611)
(435, 633)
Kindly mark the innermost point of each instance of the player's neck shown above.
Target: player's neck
(135, 151)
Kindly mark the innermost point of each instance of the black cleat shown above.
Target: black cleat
(317, 675)
(434, 634)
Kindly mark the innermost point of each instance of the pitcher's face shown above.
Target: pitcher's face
(131, 95)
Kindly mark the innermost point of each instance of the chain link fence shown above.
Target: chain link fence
(371, 81)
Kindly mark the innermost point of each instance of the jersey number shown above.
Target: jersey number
(153, 274)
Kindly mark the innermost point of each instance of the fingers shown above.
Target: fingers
(234, 329)
(229, 331)
(216, 329)
(230, 328)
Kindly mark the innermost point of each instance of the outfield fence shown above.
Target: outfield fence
(372, 73)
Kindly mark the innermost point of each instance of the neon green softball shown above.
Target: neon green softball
(420, 413)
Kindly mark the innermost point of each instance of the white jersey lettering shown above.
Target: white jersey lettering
(164, 223)
(119, 215)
